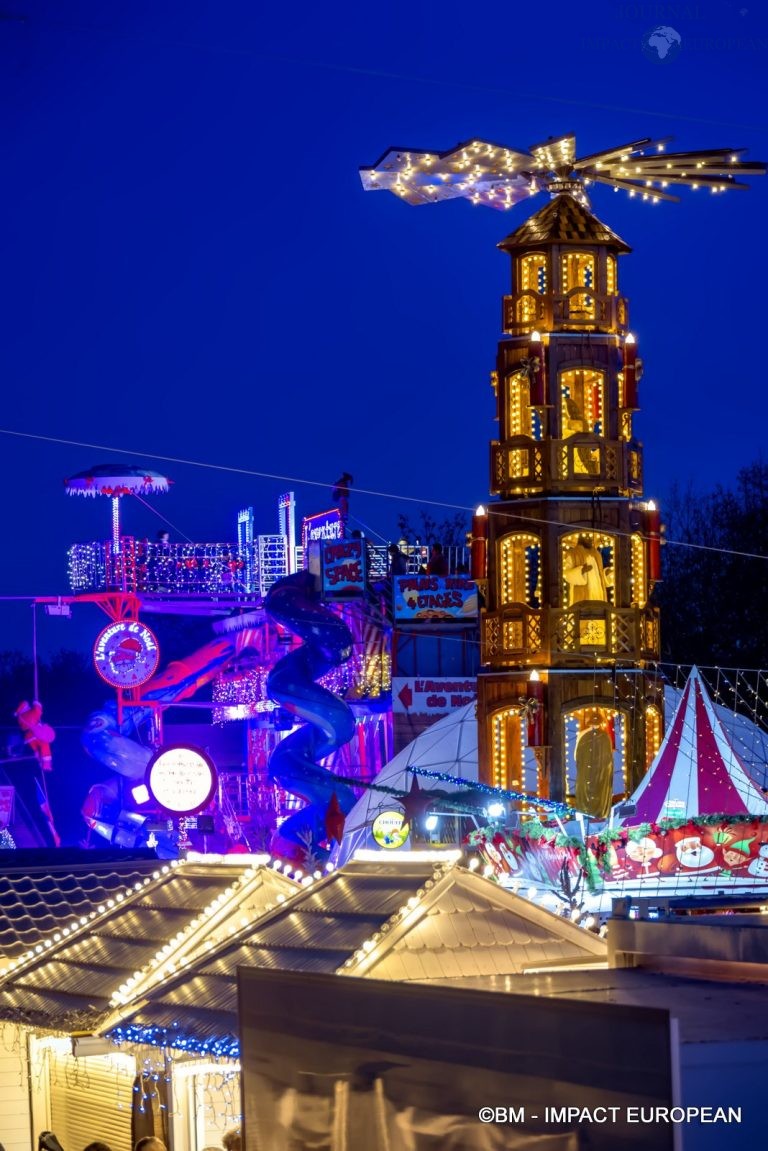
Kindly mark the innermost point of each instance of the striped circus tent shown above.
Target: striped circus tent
(696, 770)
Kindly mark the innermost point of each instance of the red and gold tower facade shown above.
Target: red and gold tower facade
(567, 708)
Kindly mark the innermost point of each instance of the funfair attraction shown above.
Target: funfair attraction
(511, 700)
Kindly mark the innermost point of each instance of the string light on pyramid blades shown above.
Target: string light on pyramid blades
(501, 177)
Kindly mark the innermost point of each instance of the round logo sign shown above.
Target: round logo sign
(181, 779)
(390, 829)
(126, 654)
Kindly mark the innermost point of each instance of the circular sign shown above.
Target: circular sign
(181, 779)
(126, 653)
(390, 830)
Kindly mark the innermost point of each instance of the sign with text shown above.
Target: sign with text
(321, 527)
(432, 696)
(429, 599)
(344, 567)
(181, 779)
(126, 653)
(390, 830)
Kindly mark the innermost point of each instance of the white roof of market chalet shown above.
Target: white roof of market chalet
(696, 771)
(39, 899)
(407, 922)
(74, 973)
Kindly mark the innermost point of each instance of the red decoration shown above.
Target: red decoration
(416, 802)
(479, 545)
(334, 819)
(653, 534)
(630, 374)
(38, 736)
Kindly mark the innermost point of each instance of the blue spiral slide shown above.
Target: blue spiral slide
(328, 721)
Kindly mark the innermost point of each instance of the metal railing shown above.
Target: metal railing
(217, 570)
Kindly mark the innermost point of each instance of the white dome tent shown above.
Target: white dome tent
(449, 747)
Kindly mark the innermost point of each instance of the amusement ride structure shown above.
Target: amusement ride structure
(175, 785)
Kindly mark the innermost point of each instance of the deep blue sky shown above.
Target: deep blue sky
(190, 266)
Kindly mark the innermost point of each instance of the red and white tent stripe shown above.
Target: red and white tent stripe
(696, 770)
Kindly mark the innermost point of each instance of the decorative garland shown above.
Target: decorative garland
(519, 796)
(593, 855)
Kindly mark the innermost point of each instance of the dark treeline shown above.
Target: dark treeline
(450, 532)
(714, 603)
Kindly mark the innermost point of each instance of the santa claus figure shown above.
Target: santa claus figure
(38, 736)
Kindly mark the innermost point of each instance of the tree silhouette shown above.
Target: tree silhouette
(450, 532)
(715, 587)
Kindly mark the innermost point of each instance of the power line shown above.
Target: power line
(400, 497)
(378, 73)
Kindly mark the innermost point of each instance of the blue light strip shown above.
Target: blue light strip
(227, 1047)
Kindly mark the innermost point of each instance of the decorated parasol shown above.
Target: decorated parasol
(115, 481)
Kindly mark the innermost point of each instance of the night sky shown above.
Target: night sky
(191, 269)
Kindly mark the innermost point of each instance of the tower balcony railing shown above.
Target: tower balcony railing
(518, 634)
(579, 310)
(582, 461)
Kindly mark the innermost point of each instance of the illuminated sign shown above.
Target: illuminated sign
(126, 654)
(432, 696)
(428, 598)
(344, 567)
(390, 830)
(321, 527)
(181, 779)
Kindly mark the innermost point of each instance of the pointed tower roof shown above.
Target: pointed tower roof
(564, 220)
(696, 770)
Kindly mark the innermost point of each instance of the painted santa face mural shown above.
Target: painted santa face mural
(643, 850)
(691, 852)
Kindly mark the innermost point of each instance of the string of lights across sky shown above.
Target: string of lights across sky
(399, 496)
